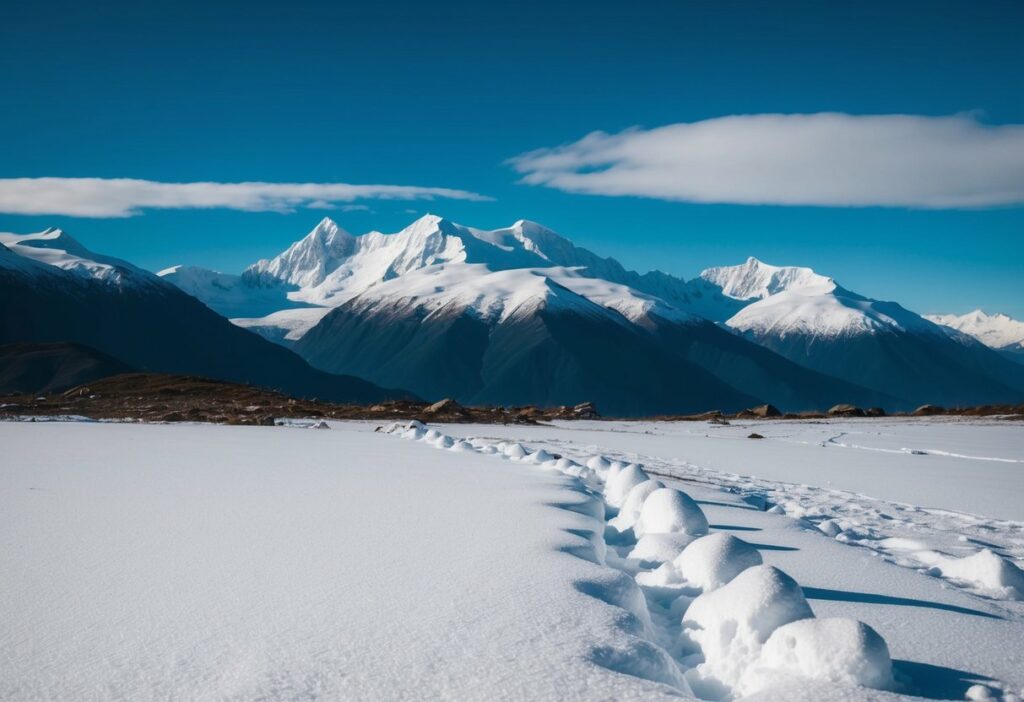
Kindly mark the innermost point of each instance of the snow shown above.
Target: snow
(670, 511)
(210, 562)
(655, 548)
(985, 571)
(756, 280)
(620, 482)
(714, 560)
(56, 249)
(230, 295)
(630, 510)
(728, 626)
(824, 310)
(437, 263)
(840, 651)
(945, 635)
(471, 562)
(286, 325)
(998, 331)
(779, 301)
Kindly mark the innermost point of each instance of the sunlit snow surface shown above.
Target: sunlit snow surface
(208, 562)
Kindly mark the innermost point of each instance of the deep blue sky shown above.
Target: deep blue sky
(441, 94)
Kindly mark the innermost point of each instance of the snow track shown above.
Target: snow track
(701, 609)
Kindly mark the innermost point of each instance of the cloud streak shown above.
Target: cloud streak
(824, 159)
(127, 197)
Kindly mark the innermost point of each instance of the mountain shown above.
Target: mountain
(283, 297)
(813, 321)
(427, 308)
(997, 331)
(447, 310)
(519, 336)
(230, 295)
(725, 290)
(45, 368)
(53, 289)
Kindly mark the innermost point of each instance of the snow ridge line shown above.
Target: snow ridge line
(705, 616)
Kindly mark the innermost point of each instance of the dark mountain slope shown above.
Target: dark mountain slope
(43, 368)
(155, 327)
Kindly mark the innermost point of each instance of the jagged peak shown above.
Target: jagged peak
(431, 223)
(755, 279)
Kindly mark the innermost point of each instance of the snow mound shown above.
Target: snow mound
(514, 451)
(842, 651)
(413, 433)
(986, 570)
(656, 549)
(728, 626)
(600, 465)
(567, 464)
(443, 442)
(620, 482)
(630, 510)
(539, 456)
(667, 511)
(463, 447)
(714, 560)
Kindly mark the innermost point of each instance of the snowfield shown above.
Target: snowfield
(852, 560)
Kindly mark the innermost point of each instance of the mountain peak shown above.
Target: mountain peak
(430, 223)
(996, 330)
(755, 280)
(308, 261)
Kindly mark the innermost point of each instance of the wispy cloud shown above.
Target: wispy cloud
(127, 197)
(827, 159)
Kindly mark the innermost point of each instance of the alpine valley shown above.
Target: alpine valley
(512, 316)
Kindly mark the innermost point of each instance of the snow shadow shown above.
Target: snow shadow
(935, 682)
(643, 660)
(589, 550)
(772, 547)
(819, 593)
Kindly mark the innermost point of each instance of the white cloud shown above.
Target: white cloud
(828, 159)
(126, 197)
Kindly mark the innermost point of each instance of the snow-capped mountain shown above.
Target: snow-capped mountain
(398, 308)
(997, 331)
(756, 280)
(442, 291)
(232, 295)
(812, 320)
(330, 265)
(285, 296)
(55, 249)
(53, 289)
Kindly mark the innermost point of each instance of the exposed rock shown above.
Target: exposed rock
(763, 411)
(266, 420)
(874, 412)
(928, 411)
(585, 410)
(755, 435)
(447, 405)
(845, 411)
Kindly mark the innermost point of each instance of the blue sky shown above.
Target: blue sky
(442, 95)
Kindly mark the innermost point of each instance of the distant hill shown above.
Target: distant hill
(45, 368)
